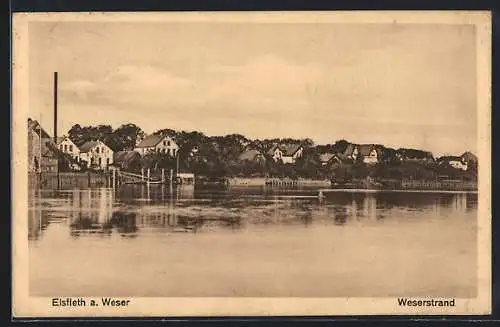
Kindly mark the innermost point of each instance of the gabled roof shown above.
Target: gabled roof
(415, 154)
(87, 146)
(326, 157)
(62, 138)
(125, 156)
(449, 158)
(151, 141)
(349, 150)
(37, 128)
(290, 149)
(249, 155)
(366, 149)
(272, 149)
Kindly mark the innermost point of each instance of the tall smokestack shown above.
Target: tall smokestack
(55, 107)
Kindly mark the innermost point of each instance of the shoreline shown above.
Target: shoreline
(86, 180)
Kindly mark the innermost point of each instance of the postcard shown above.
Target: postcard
(182, 164)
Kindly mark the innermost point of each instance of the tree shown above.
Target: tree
(79, 135)
(126, 135)
(340, 146)
(157, 160)
(309, 165)
(166, 131)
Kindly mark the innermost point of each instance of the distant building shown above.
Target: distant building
(96, 154)
(275, 152)
(65, 144)
(252, 155)
(329, 159)
(414, 155)
(370, 153)
(157, 143)
(288, 153)
(351, 152)
(469, 158)
(40, 156)
(453, 161)
(126, 160)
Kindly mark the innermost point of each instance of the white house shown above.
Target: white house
(96, 154)
(458, 164)
(286, 153)
(327, 159)
(351, 152)
(157, 143)
(276, 153)
(67, 146)
(455, 162)
(369, 153)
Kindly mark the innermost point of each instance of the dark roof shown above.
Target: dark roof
(62, 138)
(37, 128)
(290, 149)
(125, 156)
(366, 149)
(349, 149)
(249, 155)
(415, 154)
(326, 157)
(151, 141)
(450, 158)
(272, 149)
(87, 146)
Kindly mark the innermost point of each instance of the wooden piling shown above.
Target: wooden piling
(171, 179)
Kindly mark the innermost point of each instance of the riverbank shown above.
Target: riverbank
(79, 180)
(408, 184)
(69, 180)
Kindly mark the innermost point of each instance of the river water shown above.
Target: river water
(143, 242)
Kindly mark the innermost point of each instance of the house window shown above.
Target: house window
(97, 150)
(107, 161)
(168, 143)
(164, 142)
(70, 148)
(100, 161)
(173, 151)
(168, 151)
(65, 147)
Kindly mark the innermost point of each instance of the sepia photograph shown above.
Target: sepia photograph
(251, 164)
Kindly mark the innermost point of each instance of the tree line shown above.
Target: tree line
(220, 156)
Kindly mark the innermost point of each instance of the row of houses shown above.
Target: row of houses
(98, 155)
(369, 154)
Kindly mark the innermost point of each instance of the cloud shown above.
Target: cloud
(269, 92)
(262, 85)
(131, 85)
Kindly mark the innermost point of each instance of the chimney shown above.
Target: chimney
(55, 107)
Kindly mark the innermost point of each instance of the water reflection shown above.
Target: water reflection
(132, 211)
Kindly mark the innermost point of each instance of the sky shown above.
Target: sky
(401, 85)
